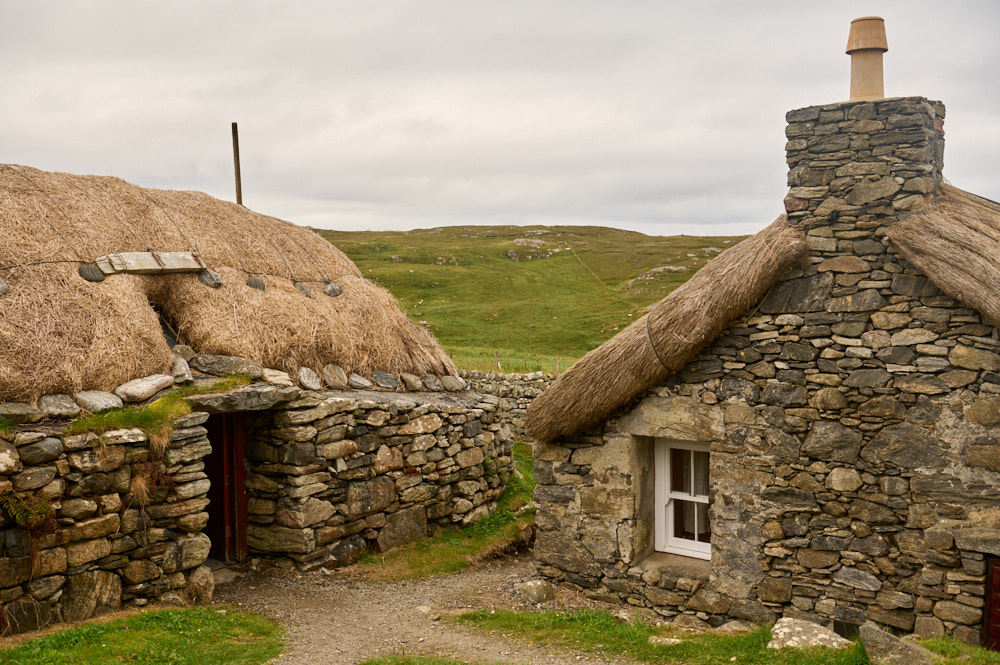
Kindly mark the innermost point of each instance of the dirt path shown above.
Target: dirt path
(341, 619)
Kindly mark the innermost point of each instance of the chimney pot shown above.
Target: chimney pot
(866, 44)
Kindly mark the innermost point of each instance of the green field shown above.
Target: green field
(570, 289)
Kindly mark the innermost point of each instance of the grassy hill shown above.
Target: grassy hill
(525, 298)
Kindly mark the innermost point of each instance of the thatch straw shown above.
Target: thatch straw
(59, 333)
(956, 243)
(663, 341)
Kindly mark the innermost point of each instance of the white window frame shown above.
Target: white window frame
(663, 538)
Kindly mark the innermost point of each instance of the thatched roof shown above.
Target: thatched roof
(662, 342)
(60, 333)
(956, 243)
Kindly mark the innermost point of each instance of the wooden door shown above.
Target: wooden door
(991, 620)
(227, 509)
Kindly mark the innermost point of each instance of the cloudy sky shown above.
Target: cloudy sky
(659, 116)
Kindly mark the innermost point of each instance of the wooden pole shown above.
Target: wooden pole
(236, 164)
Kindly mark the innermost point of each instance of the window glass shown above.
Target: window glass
(700, 472)
(680, 470)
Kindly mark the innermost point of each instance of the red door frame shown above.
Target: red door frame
(225, 468)
(991, 618)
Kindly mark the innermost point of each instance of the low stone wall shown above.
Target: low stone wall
(516, 392)
(106, 546)
(332, 475)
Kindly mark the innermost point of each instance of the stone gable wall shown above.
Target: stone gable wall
(853, 420)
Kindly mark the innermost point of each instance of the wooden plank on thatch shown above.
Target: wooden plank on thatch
(663, 341)
(956, 243)
(149, 263)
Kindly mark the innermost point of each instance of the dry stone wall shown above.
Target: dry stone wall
(516, 392)
(853, 420)
(330, 475)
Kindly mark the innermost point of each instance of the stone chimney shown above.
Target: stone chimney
(857, 167)
(866, 44)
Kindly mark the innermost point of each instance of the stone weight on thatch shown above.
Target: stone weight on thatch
(62, 334)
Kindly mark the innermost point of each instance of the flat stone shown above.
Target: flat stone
(968, 357)
(278, 539)
(225, 366)
(912, 336)
(984, 411)
(857, 579)
(884, 406)
(359, 382)
(309, 379)
(452, 384)
(41, 452)
(832, 442)
(96, 401)
(10, 461)
(139, 390)
(58, 406)
(886, 649)
(277, 377)
(432, 382)
(979, 539)
(17, 412)
(868, 191)
(91, 593)
(412, 382)
(181, 371)
(905, 445)
(843, 479)
(33, 478)
(868, 378)
(845, 263)
(256, 397)
(798, 634)
(334, 377)
(385, 380)
(868, 300)
(921, 384)
(402, 527)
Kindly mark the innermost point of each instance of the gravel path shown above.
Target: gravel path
(340, 618)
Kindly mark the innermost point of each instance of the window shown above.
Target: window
(681, 511)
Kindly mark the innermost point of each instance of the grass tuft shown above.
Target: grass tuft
(452, 550)
(156, 418)
(184, 636)
(600, 632)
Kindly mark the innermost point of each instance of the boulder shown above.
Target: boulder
(536, 591)
(58, 406)
(799, 634)
(309, 379)
(335, 377)
(96, 401)
(139, 390)
(886, 649)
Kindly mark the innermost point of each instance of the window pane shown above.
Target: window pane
(702, 528)
(680, 470)
(684, 519)
(701, 473)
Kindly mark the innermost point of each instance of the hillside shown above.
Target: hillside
(535, 297)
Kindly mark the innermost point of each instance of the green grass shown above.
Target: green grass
(195, 636)
(451, 550)
(600, 632)
(6, 426)
(542, 313)
(155, 418)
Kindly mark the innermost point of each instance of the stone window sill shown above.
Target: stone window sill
(675, 565)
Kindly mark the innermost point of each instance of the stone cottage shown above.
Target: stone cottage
(810, 427)
(183, 378)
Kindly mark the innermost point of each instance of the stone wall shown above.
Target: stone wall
(334, 475)
(853, 420)
(330, 476)
(516, 391)
(106, 546)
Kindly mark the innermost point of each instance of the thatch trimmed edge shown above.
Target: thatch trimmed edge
(675, 330)
(955, 243)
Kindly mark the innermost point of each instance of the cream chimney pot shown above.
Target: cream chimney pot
(865, 45)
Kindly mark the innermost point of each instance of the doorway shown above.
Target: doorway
(991, 618)
(227, 508)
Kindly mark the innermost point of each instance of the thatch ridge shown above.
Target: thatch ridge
(955, 243)
(662, 342)
(59, 333)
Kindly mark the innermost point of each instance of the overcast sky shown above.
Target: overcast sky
(658, 116)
